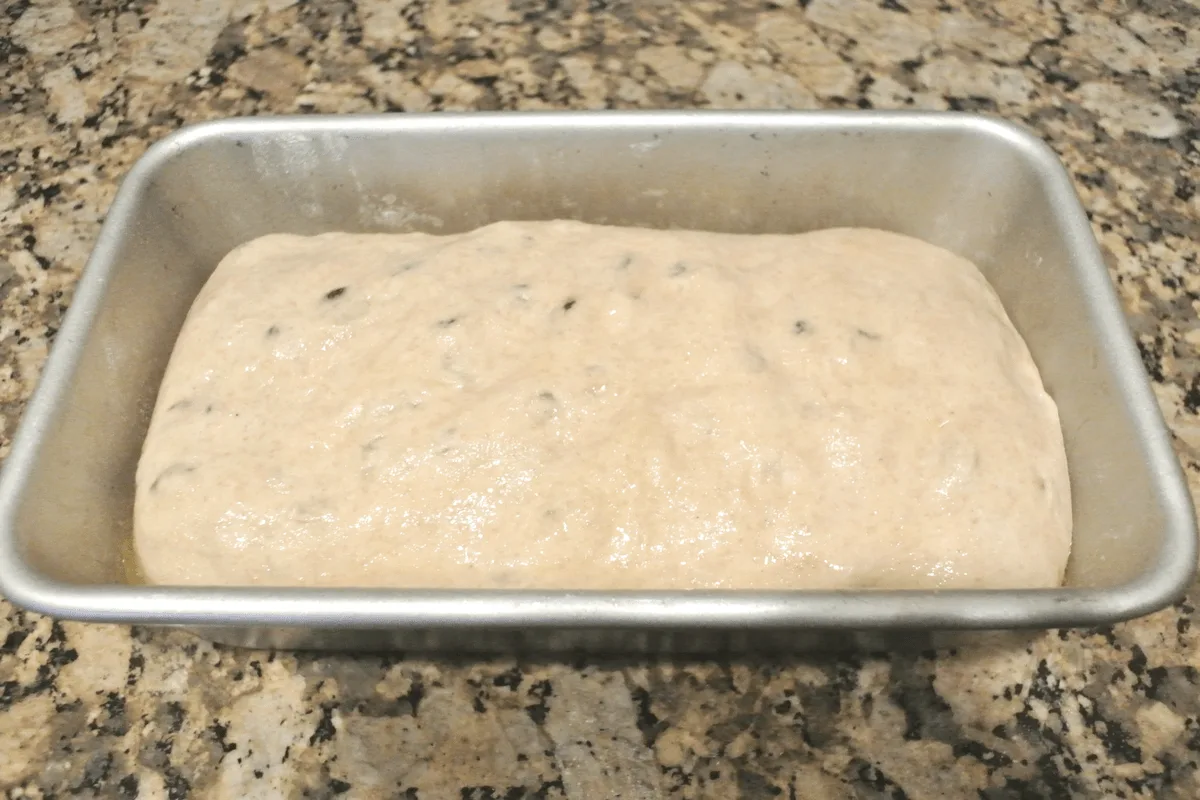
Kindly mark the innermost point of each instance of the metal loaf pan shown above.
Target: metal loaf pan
(982, 188)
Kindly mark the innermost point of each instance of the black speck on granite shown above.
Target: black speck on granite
(105, 711)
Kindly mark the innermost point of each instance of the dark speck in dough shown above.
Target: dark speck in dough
(874, 337)
(174, 469)
(757, 361)
(625, 262)
(544, 408)
(521, 291)
(567, 306)
(800, 327)
(447, 322)
(334, 294)
(678, 269)
(273, 330)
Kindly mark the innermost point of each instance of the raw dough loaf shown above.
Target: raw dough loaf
(560, 405)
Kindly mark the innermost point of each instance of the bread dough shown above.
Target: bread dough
(569, 406)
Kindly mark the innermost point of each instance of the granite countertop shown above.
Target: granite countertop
(88, 710)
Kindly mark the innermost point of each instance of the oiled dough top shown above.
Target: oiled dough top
(559, 405)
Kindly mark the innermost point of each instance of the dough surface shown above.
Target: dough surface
(561, 405)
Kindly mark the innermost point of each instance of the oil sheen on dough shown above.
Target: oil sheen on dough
(560, 405)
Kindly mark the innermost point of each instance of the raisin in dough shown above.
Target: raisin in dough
(560, 405)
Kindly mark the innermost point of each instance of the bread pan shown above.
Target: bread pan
(977, 186)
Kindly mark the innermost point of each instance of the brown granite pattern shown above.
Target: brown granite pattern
(96, 711)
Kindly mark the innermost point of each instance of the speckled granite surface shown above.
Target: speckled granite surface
(99, 711)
